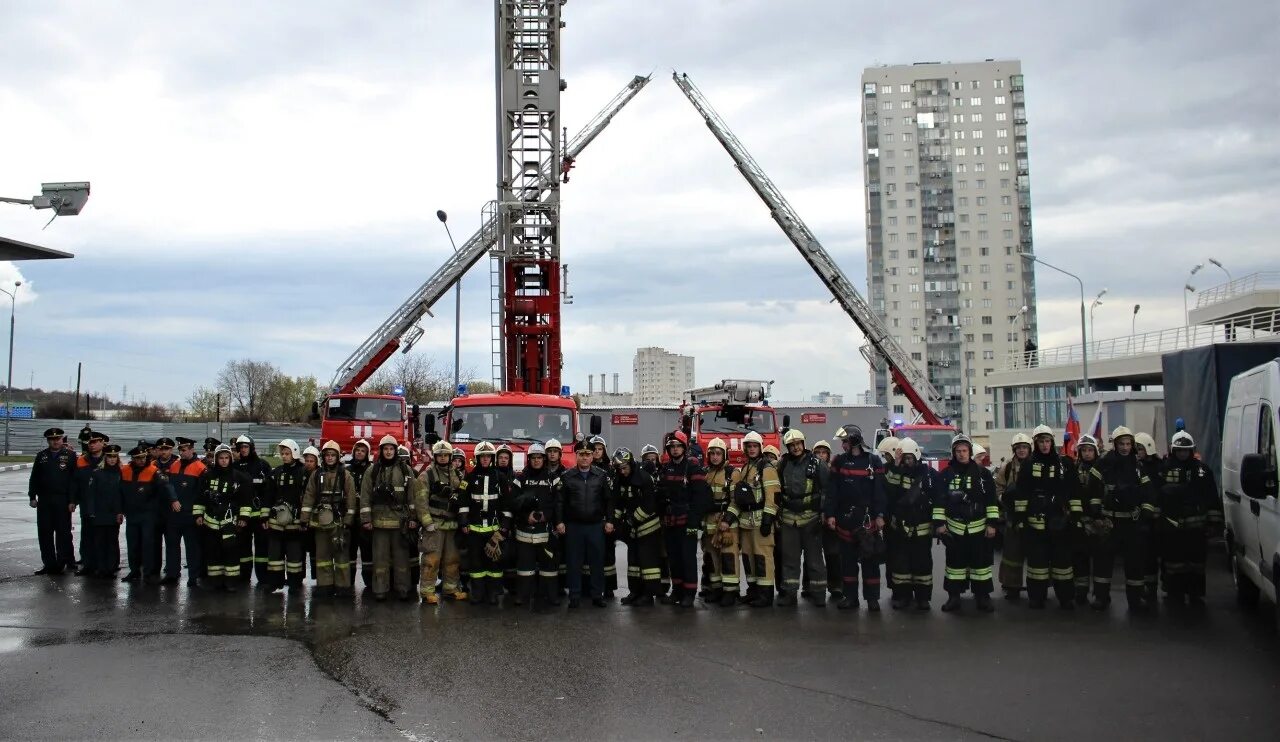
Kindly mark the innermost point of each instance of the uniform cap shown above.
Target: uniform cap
(185, 441)
(54, 433)
(137, 451)
(211, 442)
(165, 442)
(113, 448)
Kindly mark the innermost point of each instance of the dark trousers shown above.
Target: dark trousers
(537, 565)
(253, 551)
(160, 543)
(1126, 542)
(644, 553)
(221, 552)
(103, 545)
(1182, 557)
(1082, 551)
(1048, 555)
(831, 556)
(360, 543)
(795, 542)
(585, 540)
(969, 560)
(87, 539)
(682, 556)
(284, 558)
(177, 534)
(911, 564)
(53, 528)
(140, 537)
(851, 561)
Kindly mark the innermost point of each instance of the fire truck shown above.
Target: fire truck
(520, 233)
(934, 440)
(729, 410)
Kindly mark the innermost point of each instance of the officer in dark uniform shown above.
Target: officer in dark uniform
(210, 445)
(85, 464)
(52, 478)
(85, 434)
(163, 458)
(184, 476)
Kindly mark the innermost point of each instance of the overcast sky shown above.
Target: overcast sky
(266, 175)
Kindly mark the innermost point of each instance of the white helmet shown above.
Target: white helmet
(962, 438)
(331, 446)
(1087, 440)
(1121, 432)
(537, 449)
(1146, 441)
(840, 433)
(715, 443)
(752, 437)
(244, 439)
(441, 447)
(649, 448)
(889, 445)
(908, 447)
(978, 450)
(290, 444)
(553, 443)
(388, 440)
(822, 444)
(1182, 439)
(770, 449)
(359, 443)
(792, 436)
(311, 451)
(1021, 439)
(1042, 430)
(485, 448)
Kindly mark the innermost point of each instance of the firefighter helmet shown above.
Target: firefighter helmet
(331, 446)
(1121, 432)
(792, 436)
(959, 439)
(388, 440)
(978, 450)
(771, 449)
(597, 441)
(676, 437)
(553, 443)
(311, 451)
(1087, 440)
(221, 448)
(290, 444)
(839, 433)
(244, 439)
(485, 448)
(623, 456)
(458, 453)
(1182, 439)
(649, 448)
(441, 447)
(503, 447)
(1042, 430)
(752, 437)
(1147, 442)
(402, 452)
(822, 444)
(908, 447)
(716, 443)
(853, 433)
(537, 449)
(1021, 439)
(359, 443)
(889, 445)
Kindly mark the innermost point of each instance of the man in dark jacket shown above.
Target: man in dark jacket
(52, 478)
(584, 504)
(253, 539)
(184, 477)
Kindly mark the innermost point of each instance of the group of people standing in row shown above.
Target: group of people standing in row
(784, 525)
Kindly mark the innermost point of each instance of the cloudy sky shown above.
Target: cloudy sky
(266, 175)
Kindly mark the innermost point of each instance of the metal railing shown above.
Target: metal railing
(1240, 329)
(1243, 285)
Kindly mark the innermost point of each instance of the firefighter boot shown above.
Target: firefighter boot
(1137, 599)
(495, 589)
(848, 601)
(984, 602)
(786, 598)
(730, 598)
(672, 598)
(477, 591)
(715, 595)
(686, 597)
(818, 597)
(764, 597)
(952, 604)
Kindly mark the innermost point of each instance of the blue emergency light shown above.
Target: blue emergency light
(462, 390)
(564, 391)
(398, 391)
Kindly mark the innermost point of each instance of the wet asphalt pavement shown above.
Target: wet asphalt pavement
(83, 658)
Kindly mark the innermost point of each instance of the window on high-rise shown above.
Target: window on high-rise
(957, 134)
(893, 254)
(1002, 133)
(977, 151)
(986, 336)
(909, 170)
(999, 101)
(912, 236)
(962, 201)
(959, 152)
(886, 89)
(981, 201)
(957, 118)
(1004, 168)
(1008, 250)
(1002, 116)
(1008, 267)
(964, 218)
(956, 85)
(911, 254)
(975, 101)
(979, 167)
(906, 104)
(984, 269)
(887, 105)
(984, 251)
(976, 118)
(1002, 149)
(965, 252)
(911, 220)
(988, 355)
(975, 84)
(1006, 216)
(1006, 200)
(904, 88)
(893, 221)
(893, 204)
(997, 84)
(893, 236)
(982, 234)
(982, 218)
(911, 203)
(968, 338)
(979, 183)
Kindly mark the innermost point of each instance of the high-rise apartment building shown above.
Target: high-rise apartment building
(948, 217)
(659, 377)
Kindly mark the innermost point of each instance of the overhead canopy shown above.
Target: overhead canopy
(15, 250)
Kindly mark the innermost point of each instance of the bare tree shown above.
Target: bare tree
(421, 377)
(289, 398)
(202, 404)
(246, 383)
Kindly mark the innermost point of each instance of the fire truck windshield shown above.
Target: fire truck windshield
(364, 409)
(760, 421)
(934, 444)
(511, 423)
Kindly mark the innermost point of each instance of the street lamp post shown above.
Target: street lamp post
(1097, 302)
(1133, 327)
(1084, 339)
(1186, 312)
(1013, 321)
(8, 390)
(457, 308)
(1221, 267)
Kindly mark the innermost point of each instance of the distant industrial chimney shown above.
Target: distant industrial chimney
(591, 384)
(615, 383)
(603, 387)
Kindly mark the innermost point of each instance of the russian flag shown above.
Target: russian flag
(1072, 435)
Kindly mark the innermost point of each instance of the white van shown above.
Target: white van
(1249, 467)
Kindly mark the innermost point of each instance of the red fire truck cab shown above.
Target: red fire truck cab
(729, 410)
(517, 419)
(347, 418)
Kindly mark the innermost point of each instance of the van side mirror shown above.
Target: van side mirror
(429, 423)
(315, 411)
(1257, 478)
(596, 425)
(786, 421)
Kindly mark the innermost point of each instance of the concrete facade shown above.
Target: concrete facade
(660, 377)
(948, 213)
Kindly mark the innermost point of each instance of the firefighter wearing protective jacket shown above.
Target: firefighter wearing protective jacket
(1006, 482)
(484, 517)
(1084, 533)
(359, 541)
(442, 486)
(328, 510)
(682, 500)
(1128, 510)
(754, 504)
(253, 539)
(803, 478)
(964, 517)
(635, 517)
(224, 492)
(533, 509)
(1045, 506)
(720, 529)
(854, 509)
(909, 507)
(1144, 447)
(283, 495)
(1190, 512)
(394, 508)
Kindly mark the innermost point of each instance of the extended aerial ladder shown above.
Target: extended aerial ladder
(401, 329)
(913, 382)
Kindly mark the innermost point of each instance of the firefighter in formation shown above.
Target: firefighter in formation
(1070, 523)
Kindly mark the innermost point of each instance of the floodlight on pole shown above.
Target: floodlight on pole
(457, 305)
(66, 199)
(1218, 264)
(8, 390)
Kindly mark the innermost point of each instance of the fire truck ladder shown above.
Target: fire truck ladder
(401, 327)
(913, 382)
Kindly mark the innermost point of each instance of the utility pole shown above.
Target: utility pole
(79, 364)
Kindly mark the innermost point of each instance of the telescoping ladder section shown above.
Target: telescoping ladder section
(913, 382)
